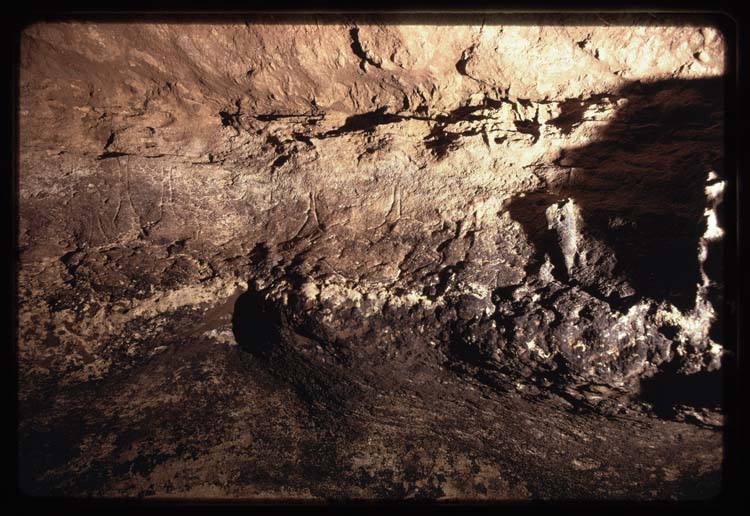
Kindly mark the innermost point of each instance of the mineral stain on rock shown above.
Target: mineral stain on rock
(372, 258)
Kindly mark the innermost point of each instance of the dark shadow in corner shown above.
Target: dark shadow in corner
(255, 324)
(639, 187)
(668, 389)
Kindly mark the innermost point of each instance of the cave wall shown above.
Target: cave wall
(317, 233)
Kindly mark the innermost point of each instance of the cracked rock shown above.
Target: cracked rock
(375, 257)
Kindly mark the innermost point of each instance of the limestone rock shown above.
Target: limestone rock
(437, 257)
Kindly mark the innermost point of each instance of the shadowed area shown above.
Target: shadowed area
(255, 325)
(640, 187)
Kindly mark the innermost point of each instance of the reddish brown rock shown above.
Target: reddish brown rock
(371, 258)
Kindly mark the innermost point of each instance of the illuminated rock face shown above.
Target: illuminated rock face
(434, 257)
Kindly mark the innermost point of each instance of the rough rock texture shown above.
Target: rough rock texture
(442, 257)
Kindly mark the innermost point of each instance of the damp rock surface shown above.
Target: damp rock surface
(371, 258)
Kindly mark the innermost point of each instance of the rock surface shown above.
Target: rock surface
(432, 257)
